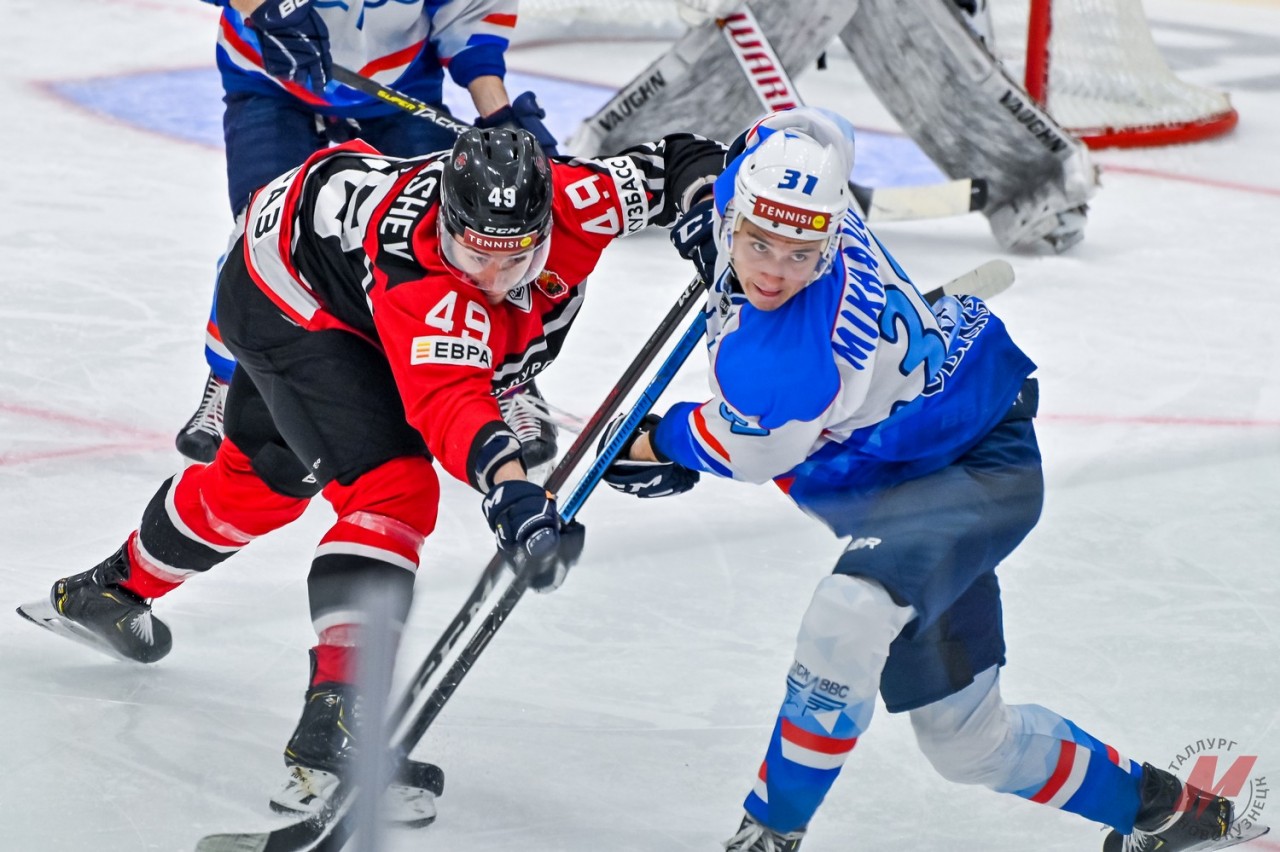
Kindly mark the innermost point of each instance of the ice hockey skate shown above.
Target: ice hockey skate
(754, 837)
(1174, 817)
(526, 412)
(323, 745)
(200, 438)
(93, 609)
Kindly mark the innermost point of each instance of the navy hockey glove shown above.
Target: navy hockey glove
(694, 237)
(294, 42)
(645, 478)
(527, 527)
(572, 538)
(524, 113)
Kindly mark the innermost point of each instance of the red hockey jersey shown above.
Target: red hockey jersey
(349, 240)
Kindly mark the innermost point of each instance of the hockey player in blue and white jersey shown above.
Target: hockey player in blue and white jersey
(906, 428)
(282, 105)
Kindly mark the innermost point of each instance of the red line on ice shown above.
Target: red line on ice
(1202, 181)
(1163, 420)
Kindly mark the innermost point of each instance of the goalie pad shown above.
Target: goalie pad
(954, 99)
(673, 94)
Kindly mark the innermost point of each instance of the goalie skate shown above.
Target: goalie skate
(409, 801)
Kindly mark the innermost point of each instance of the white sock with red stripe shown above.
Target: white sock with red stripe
(974, 737)
(1081, 774)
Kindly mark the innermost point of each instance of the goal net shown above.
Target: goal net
(1095, 67)
(1092, 64)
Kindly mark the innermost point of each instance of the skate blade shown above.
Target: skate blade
(307, 792)
(1234, 837)
(42, 612)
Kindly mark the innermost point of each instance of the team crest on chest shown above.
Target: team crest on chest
(551, 284)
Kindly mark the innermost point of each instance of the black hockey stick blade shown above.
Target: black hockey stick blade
(297, 837)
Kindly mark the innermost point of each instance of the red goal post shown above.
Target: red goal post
(1095, 67)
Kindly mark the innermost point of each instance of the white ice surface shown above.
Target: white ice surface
(630, 710)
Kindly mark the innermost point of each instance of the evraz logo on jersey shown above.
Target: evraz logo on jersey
(441, 349)
(1218, 767)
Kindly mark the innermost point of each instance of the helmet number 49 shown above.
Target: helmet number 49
(791, 180)
(503, 196)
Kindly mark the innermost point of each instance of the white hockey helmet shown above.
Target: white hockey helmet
(793, 186)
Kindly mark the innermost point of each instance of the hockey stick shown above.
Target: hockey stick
(769, 80)
(330, 831)
(299, 835)
(582, 445)
(408, 103)
(989, 279)
(341, 825)
(986, 281)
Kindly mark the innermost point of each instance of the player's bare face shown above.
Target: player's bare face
(772, 268)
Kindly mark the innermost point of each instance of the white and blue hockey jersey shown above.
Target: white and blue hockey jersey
(404, 44)
(855, 383)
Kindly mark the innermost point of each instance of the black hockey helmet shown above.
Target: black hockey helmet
(496, 199)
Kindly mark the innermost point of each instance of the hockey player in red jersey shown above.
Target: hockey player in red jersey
(282, 105)
(376, 307)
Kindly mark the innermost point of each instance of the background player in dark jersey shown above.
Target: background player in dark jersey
(911, 436)
(282, 106)
(377, 307)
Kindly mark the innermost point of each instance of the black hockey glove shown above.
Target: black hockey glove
(694, 236)
(294, 42)
(645, 478)
(524, 113)
(528, 529)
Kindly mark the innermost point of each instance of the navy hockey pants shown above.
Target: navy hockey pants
(934, 543)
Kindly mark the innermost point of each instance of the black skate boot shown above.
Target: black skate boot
(1173, 817)
(200, 438)
(754, 837)
(526, 412)
(93, 609)
(321, 750)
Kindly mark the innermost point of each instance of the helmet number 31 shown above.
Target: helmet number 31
(791, 180)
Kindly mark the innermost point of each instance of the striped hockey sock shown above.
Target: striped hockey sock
(1087, 777)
